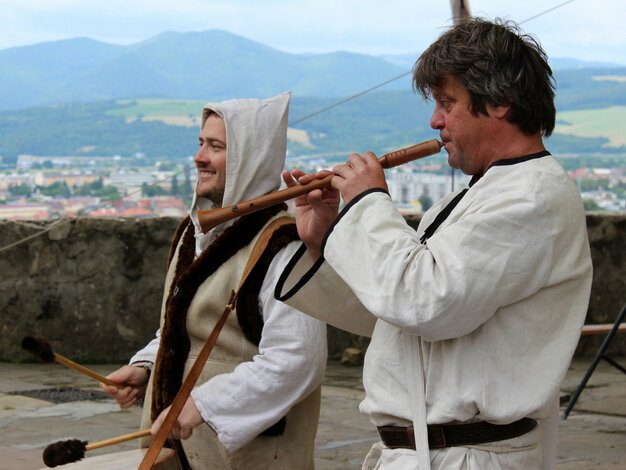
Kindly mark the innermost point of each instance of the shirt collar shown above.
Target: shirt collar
(511, 161)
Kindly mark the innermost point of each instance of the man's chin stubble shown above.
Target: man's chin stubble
(216, 197)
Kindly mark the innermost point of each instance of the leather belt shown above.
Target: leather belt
(450, 435)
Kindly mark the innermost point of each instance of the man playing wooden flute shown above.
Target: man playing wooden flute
(475, 316)
(256, 403)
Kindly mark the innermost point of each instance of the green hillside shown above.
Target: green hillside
(605, 122)
(89, 130)
(380, 122)
(401, 118)
(158, 107)
(590, 88)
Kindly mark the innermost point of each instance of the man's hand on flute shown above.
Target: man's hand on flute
(315, 211)
(357, 175)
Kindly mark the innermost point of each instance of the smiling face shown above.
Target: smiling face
(211, 160)
(468, 137)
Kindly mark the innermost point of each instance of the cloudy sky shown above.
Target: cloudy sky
(583, 29)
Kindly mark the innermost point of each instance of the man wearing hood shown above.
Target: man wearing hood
(258, 397)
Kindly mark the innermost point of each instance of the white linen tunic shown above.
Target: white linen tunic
(493, 303)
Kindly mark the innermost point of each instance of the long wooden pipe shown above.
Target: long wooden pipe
(211, 218)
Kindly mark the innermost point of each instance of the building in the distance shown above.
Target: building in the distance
(24, 211)
(27, 162)
(406, 187)
(73, 179)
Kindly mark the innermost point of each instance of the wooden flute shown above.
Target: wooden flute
(211, 218)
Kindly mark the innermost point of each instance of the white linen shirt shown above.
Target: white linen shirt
(495, 301)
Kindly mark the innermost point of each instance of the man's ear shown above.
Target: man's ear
(499, 112)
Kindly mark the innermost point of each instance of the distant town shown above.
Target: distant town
(52, 187)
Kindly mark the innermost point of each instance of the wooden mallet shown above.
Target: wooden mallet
(72, 450)
(41, 349)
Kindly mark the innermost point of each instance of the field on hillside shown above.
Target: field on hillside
(168, 128)
(606, 122)
(180, 113)
(173, 112)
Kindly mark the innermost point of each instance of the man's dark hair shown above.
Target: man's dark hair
(498, 65)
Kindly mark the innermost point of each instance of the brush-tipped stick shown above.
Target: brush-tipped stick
(72, 450)
(41, 349)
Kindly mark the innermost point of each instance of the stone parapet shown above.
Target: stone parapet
(93, 287)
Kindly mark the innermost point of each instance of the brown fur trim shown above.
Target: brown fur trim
(248, 315)
(179, 233)
(174, 344)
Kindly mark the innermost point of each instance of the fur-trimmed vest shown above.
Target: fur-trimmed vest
(196, 293)
(234, 246)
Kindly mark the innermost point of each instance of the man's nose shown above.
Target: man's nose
(200, 156)
(436, 120)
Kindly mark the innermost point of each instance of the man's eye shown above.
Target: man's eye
(446, 104)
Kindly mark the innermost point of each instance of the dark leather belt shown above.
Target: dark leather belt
(450, 435)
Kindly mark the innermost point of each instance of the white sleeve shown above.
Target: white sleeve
(289, 366)
(491, 256)
(149, 352)
(314, 288)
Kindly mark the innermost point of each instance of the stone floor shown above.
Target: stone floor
(593, 437)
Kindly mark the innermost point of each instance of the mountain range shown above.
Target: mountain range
(75, 87)
(212, 64)
(204, 65)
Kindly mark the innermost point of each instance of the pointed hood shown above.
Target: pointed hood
(256, 141)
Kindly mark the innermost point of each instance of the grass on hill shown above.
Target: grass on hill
(180, 113)
(170, 111)
(604, 122)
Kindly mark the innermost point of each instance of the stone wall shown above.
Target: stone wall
(92, 287)
(607, 238)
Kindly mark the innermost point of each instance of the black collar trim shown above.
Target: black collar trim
(443, 215)
(524, 158)
(510, 161)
